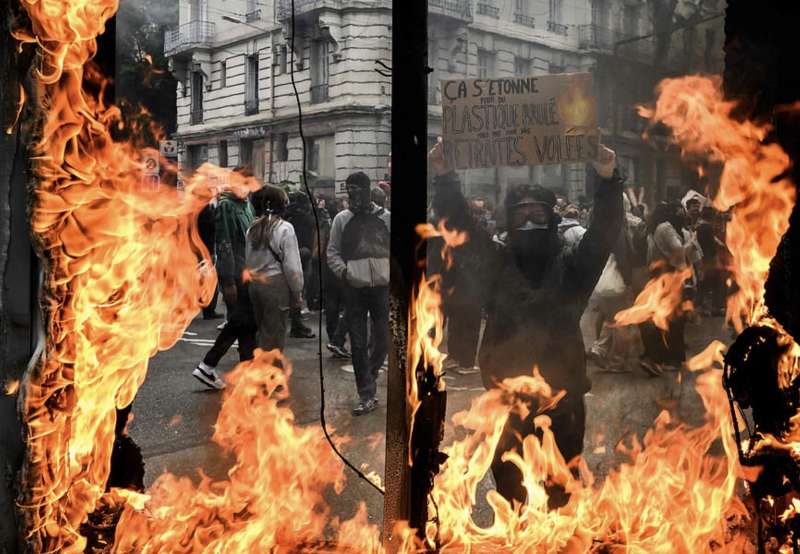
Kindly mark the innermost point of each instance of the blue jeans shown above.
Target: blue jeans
(363, 303)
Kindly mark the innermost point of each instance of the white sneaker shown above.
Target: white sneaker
(468, 370)
(348, 368)
(208, 376)
(222, 325)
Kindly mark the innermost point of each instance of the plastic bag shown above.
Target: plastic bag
(611, 282)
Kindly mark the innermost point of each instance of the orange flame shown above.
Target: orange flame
(452, 239)
(426, 321)
(658, 301)
(274, 497)
(122, 279)
(122, 283)
(673, 495)
(20, 105)
(11, 387)
(760, 202)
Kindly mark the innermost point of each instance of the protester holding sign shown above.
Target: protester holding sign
(535, 292)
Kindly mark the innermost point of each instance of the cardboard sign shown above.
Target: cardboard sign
(518, 121)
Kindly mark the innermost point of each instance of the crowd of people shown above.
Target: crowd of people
(539, 275)
(269, 249)
(536, 276)
(682, 234)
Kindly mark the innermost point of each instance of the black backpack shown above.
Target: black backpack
(365, 236)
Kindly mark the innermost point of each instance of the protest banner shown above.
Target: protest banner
(518, 121)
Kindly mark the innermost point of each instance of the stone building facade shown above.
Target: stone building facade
(236, 104)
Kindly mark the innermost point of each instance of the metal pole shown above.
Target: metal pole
(407, 488)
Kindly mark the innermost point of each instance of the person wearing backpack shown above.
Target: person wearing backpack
(274, 267)
(358, 253)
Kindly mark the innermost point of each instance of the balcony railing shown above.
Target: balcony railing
(593, 37)
(319, 93)
(456, 9)
(488, 9)
(526, 20)
(301, 7)
(254, 15)
(196, 116)
(557, 28)
(251, 106)
(189, 35)
(602, 39)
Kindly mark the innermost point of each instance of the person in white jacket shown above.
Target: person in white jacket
(274, 269)
(671, 247)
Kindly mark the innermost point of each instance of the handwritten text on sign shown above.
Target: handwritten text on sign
(519, 121)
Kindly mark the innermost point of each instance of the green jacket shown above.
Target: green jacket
(233, 218)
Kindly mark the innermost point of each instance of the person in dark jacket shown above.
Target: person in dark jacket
(535, 292)
(358, 254)
(205, 224)
(712, 288)
(299, 214)
(234, 216)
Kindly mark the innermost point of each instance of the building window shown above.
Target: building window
(321, 158)
(282, 148)
(223, 153)
(252, 13)
(708, 53)
(487, 7)
(246, 154)
(555, 11)
(223, 74)
(197, 98)
(320, 71)
(521, 8)
(196, 10)
(197, 154)
(522, 67)
(485, 64)
(630, 21)
(251, 86)
(279, 54)
(284, 58)
(600, 13)
(554, 24)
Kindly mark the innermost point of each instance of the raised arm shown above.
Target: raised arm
(586, 262)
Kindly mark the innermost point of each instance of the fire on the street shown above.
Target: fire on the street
(122, 283)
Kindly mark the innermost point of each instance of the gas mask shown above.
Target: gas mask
(532, 240)
(359, 199)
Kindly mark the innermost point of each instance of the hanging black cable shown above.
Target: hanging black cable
(319, 267)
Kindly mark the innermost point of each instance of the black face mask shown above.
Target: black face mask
(533, 252)
(359, 200)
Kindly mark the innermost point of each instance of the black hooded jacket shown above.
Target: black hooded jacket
(528, 326)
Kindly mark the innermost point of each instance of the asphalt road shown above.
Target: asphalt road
(174, 414)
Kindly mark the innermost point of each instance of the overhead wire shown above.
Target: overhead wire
(320, 268)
